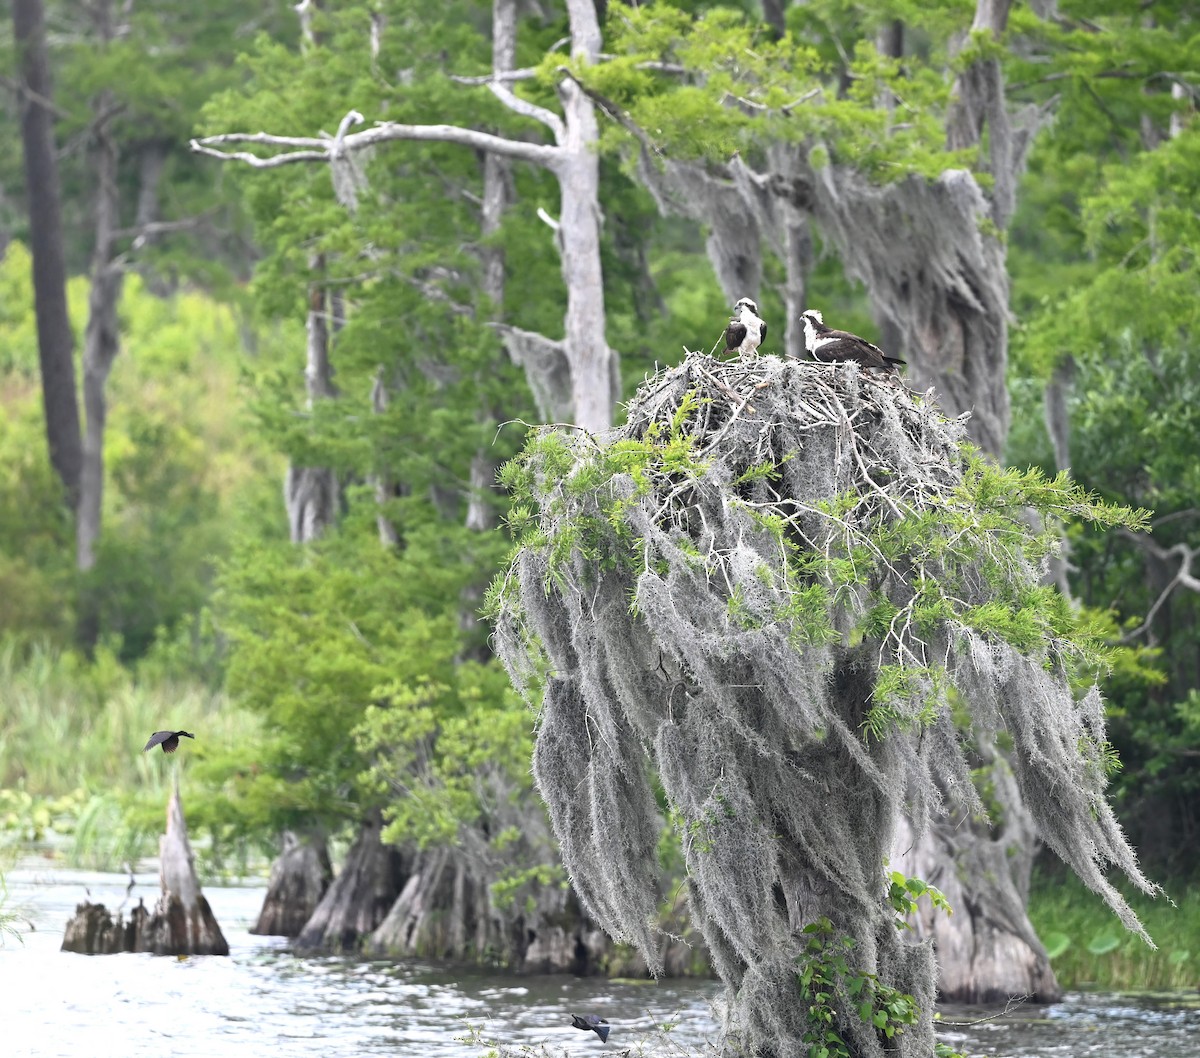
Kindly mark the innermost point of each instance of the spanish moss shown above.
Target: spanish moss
(787, 598)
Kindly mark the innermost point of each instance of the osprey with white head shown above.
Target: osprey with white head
(746, 330)
(836, 347)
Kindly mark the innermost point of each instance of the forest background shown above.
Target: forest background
(326, 646)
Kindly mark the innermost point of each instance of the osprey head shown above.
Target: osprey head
(744, 303)
(813, 325)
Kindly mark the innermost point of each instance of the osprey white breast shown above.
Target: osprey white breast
(746, 330)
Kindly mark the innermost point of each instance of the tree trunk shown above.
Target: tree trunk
(594, 378)
(773, 16)
(182, 922)
(299, 878)
(445, 912)
(574, 160)
(497, 192)
(958, 342)
(56, 342)
(482, 508)
(987, 951)
(977, 99)
(385, 488)
(1056, 412)
(152, 163)
(360, 896)
(102, 339)
(311, 493)
(918, 247)
(938, 282)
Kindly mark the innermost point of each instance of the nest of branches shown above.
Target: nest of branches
(790, 594)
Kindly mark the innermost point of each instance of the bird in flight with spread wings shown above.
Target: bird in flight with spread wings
(169, 740)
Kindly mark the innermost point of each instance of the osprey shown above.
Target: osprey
(746, 331)
(836, 347)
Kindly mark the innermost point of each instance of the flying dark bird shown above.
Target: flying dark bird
(592, 1021)
(169, 740)
(746, 331)
(836, 347)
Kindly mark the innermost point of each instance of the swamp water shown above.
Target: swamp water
(263, 1002)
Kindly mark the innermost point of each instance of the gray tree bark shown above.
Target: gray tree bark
(360, 896)
(102, 340)
(299, 879)
(497, 197)
(937, 279)
(56, 343)
(773, 16)
(990, 951)
(1056, 411)
(385, 487)
(987, 951)
(446, 909)
(482, 509)
(311, 493)
(182, 923)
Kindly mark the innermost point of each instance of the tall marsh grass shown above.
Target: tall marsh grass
(67, 724)
(1089, 948)
(71, 760)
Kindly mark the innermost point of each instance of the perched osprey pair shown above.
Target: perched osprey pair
(747, 331)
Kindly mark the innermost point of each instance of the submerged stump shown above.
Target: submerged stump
(182, 923)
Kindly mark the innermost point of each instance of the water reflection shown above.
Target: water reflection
(263, 1001)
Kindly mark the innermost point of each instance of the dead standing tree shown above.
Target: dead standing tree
(590, 365)
(182, 922)
(773, 587)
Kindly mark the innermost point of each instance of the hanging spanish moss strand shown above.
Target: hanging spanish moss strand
(788, 593)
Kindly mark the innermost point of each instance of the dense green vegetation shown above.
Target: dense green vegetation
(1089, 950)
(349, 673)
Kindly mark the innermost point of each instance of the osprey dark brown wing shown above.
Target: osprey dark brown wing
(841, 349)
(835, 347)
(735, 334)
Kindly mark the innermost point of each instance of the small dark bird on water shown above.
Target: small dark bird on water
(591, 1021)
(169, 740)
(836, 347)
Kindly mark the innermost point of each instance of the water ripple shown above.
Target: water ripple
(265, 1001)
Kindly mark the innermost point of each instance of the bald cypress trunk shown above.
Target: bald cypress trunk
(182, 923)
(705, 645)
(299, 879)
(43, 191)
(931, 256)
(360, 896)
